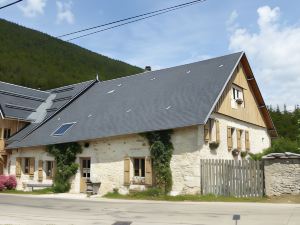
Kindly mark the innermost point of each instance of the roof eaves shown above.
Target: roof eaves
(24, 87)
(261, 103)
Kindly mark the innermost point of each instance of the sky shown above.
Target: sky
(268, 31)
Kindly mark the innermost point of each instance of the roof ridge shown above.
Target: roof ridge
(69, 85)
(24, 87)
(148, 72)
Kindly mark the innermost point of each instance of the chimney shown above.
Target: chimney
(147, 68)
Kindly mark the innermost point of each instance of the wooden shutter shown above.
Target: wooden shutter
(31, 166)
(148, 171)
(206, 132)
(40, 173)
(126, 171)
(217, 131)
(229, 138)
(247, 141)
(238, 139)
(18, 166)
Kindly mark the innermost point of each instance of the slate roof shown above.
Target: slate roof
(19, 102)
(164, 99)
(60, 97)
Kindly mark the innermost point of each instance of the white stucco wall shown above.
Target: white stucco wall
(259, 138)
(107, 155)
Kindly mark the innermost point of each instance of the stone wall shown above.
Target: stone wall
(107, 156)
(282, 176)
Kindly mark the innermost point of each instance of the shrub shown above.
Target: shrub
(7, 182)
(280, 145)
(11, 183)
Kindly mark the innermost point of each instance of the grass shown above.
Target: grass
(154, 194)
(34, 192)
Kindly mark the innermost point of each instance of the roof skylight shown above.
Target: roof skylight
(220, 65)
(63, 129)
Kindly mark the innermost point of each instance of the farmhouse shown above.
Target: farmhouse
(214, 108)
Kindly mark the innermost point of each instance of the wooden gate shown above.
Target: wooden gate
(239, 178)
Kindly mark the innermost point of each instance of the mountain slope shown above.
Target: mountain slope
(34, 59)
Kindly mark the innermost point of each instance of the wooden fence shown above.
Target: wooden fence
(239, 178)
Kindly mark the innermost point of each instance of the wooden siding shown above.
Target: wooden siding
(14, 126)
(249, 112)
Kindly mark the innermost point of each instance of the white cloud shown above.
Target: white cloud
(231, 22)
(64, 12)
(274, 52)
(32, 8)
(3, 1)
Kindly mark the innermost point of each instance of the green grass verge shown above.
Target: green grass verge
(153, 194)
(34, 192)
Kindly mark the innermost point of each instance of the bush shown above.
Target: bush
(11, 183)
(280, 145)
(8, 182)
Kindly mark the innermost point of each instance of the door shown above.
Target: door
(85, 172)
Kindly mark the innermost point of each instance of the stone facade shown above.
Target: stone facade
(107, 156)
(282, 176)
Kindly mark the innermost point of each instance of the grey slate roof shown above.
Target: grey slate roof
(61, 96)
(19, 102)
(163, 99)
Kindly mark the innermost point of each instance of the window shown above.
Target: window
(63, 129)
(49, 169)
(237, 97)
(236, 93)
(139, 167)
(26, 165)
(7, 132)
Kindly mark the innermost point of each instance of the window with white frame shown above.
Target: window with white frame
(237, 99)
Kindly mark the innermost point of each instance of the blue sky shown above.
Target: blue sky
(268, 31)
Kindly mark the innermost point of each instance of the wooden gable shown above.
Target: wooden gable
(249, 110)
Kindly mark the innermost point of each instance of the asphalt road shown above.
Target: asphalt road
(37, 210)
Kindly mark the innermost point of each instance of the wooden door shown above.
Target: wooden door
(85, 172)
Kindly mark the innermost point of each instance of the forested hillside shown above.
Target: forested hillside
(287, 123)
(34, 59)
